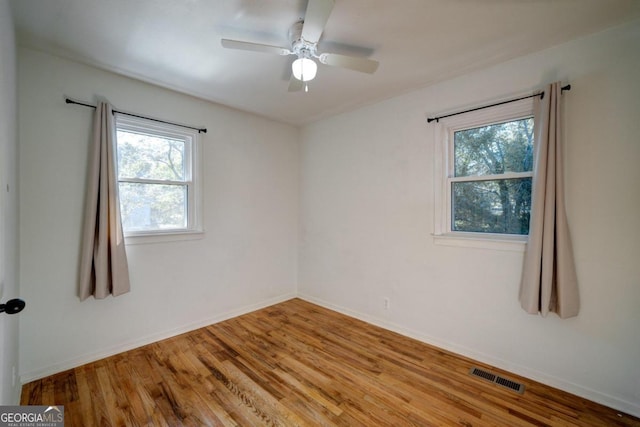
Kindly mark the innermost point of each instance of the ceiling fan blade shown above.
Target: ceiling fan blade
(363, 65)
(295, 85)
(315, 19)
(254, 47)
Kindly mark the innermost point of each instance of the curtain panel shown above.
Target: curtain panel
(103, 261)
(549, 281)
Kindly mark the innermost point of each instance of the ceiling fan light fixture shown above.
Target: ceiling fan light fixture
(304, 69)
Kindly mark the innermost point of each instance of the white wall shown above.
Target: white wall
(247, 258)
(9, 386)
(367, 212)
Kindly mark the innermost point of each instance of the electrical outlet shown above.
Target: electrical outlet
(386, 303)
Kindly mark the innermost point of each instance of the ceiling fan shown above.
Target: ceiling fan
(304, 36)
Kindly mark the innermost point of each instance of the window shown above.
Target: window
(157, 177)
(484, 171)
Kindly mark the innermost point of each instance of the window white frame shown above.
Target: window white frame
(192, 178)
(444, 176)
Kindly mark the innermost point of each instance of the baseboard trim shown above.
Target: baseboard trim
(541, 377)
(36, 374)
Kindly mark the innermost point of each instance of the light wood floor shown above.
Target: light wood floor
(299, 364)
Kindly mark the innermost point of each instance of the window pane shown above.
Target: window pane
(494, 149)
(500, 206)
(150, 157)
(147, 207)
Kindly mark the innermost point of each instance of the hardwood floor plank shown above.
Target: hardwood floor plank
(298, 364)
(110, 392)
(32, 393)
(221, 417)
(247, 410)
(87, 415)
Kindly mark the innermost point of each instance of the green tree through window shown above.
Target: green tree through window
(491, 184)
(155, 176)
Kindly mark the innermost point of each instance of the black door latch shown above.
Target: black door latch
(12, 306)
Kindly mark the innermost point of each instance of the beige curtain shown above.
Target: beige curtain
(549, 281)
(103, 261)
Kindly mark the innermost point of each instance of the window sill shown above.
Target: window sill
(496, 242)
(174, 236)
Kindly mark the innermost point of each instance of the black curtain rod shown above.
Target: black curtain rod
(540, 94)
(200, 130)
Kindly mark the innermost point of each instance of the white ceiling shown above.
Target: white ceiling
(176, 43)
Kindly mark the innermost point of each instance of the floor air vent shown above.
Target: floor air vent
(497, 379)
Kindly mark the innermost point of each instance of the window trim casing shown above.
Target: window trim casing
(193, 178)
(443, 176)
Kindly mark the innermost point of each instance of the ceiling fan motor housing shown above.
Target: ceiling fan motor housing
(299, 46)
